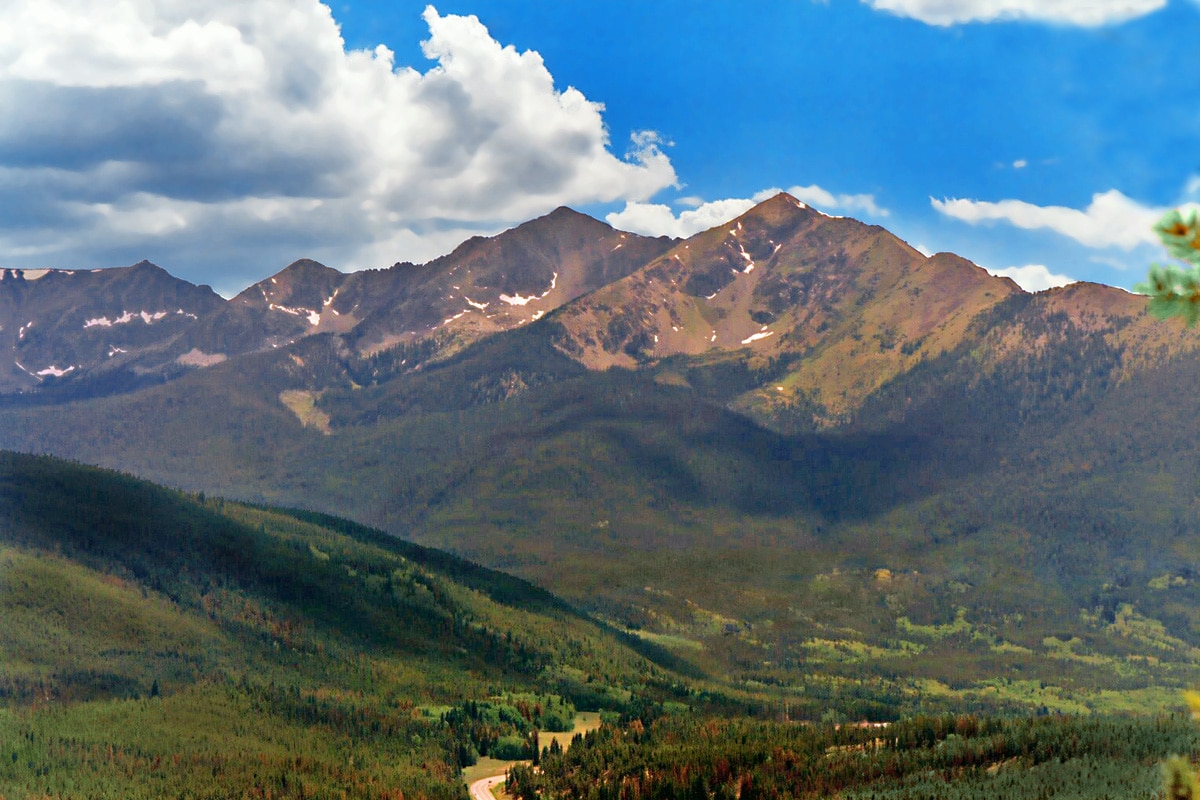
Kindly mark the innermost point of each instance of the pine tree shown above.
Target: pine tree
(1175, 292)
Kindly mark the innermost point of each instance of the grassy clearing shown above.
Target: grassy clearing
(304, 405)
(485, 767)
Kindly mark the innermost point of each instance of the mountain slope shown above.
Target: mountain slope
(847, 306)
(58, 323)
(113, 330)
(920, 479)
(498, 283)
(157, 643)
(936, 548)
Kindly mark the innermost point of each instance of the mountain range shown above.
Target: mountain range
(791, 445)
(838, 308)
(139, 321)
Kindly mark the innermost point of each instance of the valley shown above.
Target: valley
(788, 468)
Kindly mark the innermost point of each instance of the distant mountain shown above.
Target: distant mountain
(75, 325)
(59, 324)
(789, 441)
(829, 310)
(503, 282)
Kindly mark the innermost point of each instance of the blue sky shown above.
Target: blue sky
(223, 139)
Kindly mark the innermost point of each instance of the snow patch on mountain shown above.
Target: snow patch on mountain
(128, 316)
(198, 358)
(314, 317)
(26, 274)
(518, 300)
(756, 336)
(745, 255)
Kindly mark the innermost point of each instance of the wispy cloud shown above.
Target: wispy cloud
(1110, 220)
(1066, 12)
(828, 201)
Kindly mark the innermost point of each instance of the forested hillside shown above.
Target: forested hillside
(936, 758)
(981, 506)
(161, 644)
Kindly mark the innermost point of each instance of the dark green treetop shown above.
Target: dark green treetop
(1174, 291)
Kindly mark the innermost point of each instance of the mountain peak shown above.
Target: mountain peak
(563, 219)
(302, 283)
(776, 218)
(783, 200)
(148, 268)
(1089, 304)
(565, 212)
(297, 273)
(778, 209)
(308, 268)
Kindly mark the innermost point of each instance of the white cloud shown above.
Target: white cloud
(656, 219)
(1033, 277)
(1065, 12)
(827, 201)
(1110, 220)
(187, 129)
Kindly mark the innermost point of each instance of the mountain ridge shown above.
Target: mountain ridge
(915, 437)
(485, 285)
(828, 309)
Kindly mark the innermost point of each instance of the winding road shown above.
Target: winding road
(482, 788)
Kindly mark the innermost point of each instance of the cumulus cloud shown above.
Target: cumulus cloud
(1065, 12)
(657, 219)
(161, 128)
(1033, 277)
(1110, 220)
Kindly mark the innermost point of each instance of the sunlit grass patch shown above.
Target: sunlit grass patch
(850, 651)
(669, 640)
(958, 626)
